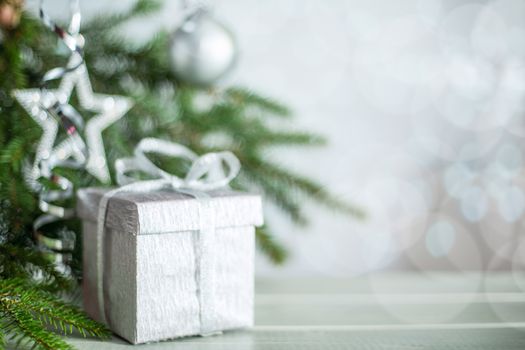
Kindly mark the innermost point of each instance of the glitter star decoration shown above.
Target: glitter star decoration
(107, 108)
(36, 103)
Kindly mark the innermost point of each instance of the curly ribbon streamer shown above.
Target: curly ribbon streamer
(71, 121)
(71, 36)
(206, 173)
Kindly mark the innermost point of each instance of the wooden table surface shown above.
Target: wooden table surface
(381, 311)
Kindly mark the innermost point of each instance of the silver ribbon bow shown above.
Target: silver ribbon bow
(207, 172)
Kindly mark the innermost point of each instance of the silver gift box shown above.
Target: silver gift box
(150, 263)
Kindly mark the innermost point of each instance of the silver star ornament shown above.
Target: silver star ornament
(107, 108)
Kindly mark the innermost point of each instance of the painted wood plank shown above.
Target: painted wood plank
(390, 311)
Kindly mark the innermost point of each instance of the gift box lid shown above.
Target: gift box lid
(169, 211)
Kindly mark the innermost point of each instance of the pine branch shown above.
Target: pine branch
(13, 153)
(105, 23)
(2, 339)
(61, 316)
(279, 193)
(247, 98)
(22, 327)
(21, 199)
(267, 244)
(27, 262)
(308, 187)
(26, 309)
(291, 138)
(148, 62)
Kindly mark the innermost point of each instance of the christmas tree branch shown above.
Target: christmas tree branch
(23, 328)
(267, 244)
(26, 308)
(248, 99)
(103, 24)
(25, 263)
(310, 188)
(279, 193)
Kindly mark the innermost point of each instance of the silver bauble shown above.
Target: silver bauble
(202, 50)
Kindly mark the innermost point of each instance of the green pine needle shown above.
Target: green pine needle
(247, 98)
(26, 309)
(269, 246)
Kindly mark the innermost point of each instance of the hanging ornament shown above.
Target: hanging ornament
(202, 50)
(50, 108)
(40, 102)
(107, 108)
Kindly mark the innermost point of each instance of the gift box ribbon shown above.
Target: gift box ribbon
(207, 172)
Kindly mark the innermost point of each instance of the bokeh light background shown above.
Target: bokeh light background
(424, 106)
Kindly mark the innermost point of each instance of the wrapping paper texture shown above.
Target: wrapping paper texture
(150, 287)
(169, 211)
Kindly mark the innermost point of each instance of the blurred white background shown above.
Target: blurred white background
(423, 105)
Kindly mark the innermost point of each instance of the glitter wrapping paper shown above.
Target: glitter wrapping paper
(152, 289)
